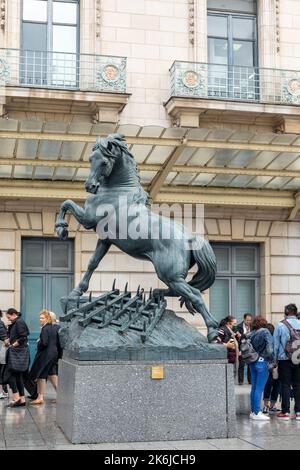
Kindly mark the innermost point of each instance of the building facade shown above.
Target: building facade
(207, 93)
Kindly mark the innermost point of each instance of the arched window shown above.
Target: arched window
(50, 42)
(232, 47)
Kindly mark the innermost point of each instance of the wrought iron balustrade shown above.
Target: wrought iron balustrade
(44, 69)
(214, 81)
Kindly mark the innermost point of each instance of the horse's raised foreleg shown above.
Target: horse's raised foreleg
(183, 289)
(101, 250)
(61, 225)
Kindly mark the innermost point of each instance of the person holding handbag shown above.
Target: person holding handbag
(227, 337)
(3, 337)
(17, 358)
(45, 365)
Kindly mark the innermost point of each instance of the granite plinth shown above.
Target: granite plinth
(120, 402)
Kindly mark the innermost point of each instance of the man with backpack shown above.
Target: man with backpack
(287, 353)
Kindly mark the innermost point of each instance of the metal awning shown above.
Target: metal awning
(170, 160)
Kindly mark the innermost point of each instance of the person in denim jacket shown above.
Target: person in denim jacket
(262, 342)
(289, 373)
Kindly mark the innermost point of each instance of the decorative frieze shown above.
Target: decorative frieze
(291, 88)
(277, 7)
(192, 21)
(98, 18)
(2, 14)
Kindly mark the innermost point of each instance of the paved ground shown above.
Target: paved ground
(35, 428)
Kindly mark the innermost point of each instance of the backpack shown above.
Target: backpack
(248, 353)
(292, 347)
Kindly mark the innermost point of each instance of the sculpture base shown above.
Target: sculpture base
(172, 339)
(121, 402)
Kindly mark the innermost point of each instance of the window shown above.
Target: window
(236, 289)
(232, 49)
(47, 276)
(240, 6)
(50, 43)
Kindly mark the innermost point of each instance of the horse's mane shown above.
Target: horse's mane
(106, 147)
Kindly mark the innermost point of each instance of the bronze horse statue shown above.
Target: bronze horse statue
(118, 195)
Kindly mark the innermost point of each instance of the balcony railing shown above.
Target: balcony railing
(59, 70)
(211, 81)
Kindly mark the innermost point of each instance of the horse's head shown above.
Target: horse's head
(103, 158)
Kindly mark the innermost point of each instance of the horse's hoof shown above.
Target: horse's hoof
(62, 233)
(61, 223)
(74, 294)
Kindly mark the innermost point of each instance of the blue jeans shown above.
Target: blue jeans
(259, 378)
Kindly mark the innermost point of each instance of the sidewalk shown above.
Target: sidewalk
(35, 428)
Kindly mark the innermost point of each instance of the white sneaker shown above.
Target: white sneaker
(251, 415)
(3, 395)
(260, 417)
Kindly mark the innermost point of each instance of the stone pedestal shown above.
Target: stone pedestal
(121, 402)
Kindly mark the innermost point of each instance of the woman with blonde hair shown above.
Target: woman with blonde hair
(48, 351)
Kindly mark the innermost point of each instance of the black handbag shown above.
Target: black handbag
(18, 359)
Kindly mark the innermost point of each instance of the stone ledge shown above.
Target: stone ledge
(187, 111)
(99, 106)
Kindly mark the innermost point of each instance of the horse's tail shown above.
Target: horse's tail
(207, 266)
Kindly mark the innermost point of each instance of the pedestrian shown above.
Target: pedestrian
(287, 353)
(226, 336)
(244, 329)
(272, 388)
(262, 342)
(53, 318)
(45, 365)
(17, 358)
(3, 349)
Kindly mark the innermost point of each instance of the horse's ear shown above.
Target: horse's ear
(98, 140)
(120, 137)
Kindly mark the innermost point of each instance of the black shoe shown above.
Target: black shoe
(32, 397)
(16, 404)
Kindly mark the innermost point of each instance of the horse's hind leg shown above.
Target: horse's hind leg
(163, 293)
(170, 293)
(182, 288)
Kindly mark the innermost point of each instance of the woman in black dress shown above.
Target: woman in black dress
(46, 359)
(17, 357)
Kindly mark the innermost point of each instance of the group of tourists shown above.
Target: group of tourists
(272, 357)
(15, 371)
(270, 354)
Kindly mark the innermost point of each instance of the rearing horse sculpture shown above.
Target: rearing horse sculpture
(114, 178)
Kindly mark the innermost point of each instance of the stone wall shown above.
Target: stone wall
(154, 33)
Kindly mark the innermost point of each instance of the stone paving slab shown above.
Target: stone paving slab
(35, 429)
